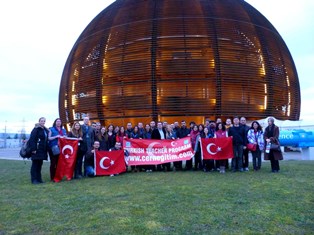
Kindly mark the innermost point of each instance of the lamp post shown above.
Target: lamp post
(5, 135)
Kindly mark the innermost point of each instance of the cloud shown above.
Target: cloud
(287, 16)
(36, 39)
(37, 36)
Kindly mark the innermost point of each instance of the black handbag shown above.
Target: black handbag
(275, 147)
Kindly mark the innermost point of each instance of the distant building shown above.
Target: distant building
(140, 60)
(12, 140)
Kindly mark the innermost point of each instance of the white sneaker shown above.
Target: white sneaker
(112, 175)
(246, 169)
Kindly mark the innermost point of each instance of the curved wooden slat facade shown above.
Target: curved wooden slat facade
(179, 59)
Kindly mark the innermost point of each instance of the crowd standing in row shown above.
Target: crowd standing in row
(96, 137)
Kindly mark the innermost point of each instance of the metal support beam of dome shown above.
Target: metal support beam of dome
(215, 45)
(153, 63)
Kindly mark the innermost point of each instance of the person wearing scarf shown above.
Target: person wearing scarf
(193, 134)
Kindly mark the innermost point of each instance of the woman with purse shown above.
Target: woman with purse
(56, 131)
(256, 144)
(271, 136)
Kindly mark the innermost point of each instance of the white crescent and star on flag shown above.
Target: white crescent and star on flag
(173, 143)
(210, 151)
(67, 147)
(101, 163)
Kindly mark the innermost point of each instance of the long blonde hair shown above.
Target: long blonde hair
(75, 132)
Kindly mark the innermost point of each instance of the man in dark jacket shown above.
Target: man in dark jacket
(129, 130)
(89, 160)
(245, 151)
(88, 140)
(183, 132)
(239, 143)
(160, 134)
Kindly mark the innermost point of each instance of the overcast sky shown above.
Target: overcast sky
(37, 36)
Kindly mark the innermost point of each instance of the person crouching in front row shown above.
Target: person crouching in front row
(89, 160)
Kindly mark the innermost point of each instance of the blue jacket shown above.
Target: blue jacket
(55, 132)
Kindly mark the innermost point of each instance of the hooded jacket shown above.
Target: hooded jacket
(38, 142)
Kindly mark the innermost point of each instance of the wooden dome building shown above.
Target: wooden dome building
(169, 60)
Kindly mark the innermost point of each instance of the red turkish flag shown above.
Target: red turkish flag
(217, 148)
(109, 163)
(67, 159)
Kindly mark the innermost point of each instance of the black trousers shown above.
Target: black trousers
(208, 164)
(79, 164)
(222, 163)
(36, 170)
(189, 163)
(178, 165)
(53, 164)
(274, 163)
(216, 164)
(198, 161)
(245, 158)
(166, 166)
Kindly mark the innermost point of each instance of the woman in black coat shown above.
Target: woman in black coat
(38, 143)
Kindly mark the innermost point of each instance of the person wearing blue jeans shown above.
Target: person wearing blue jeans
(239, 140)
(255, 136)
(89, 160)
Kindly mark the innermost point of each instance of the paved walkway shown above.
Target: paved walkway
(10, 154)
(307, 154)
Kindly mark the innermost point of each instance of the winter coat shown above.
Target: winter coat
(183, 132)
(88, 136)
(274, 139)
(38, 142)
(148, 134)
(110, 140)
(258, 138)
(238, 134)
(156, 135)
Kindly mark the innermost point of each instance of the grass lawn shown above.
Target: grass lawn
(160, 203)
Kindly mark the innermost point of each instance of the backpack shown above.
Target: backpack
(25, 151)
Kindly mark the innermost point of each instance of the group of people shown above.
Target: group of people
(97, 137)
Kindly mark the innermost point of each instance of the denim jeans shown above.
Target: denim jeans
(257, 156)
(237, 159)
(90, 172)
